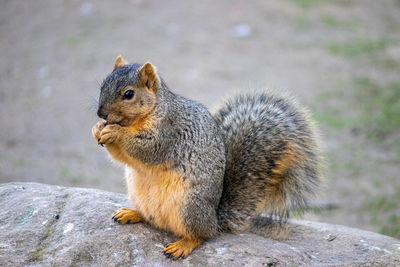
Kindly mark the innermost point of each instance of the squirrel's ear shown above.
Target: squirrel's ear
(119, 62)
(148, 76)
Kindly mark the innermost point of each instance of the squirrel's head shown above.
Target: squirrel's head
(129, 93)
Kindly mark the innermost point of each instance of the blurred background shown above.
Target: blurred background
(341, 58)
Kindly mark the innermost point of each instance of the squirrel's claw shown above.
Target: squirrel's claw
(100, 144)
(96, 130)
(181, 249)
(116, 220)
(126, 216)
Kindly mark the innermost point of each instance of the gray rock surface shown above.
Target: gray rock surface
(44, 225)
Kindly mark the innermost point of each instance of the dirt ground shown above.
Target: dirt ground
(341, 58)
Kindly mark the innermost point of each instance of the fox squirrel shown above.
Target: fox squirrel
(197, 174)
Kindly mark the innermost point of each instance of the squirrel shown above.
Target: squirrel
(196, 174)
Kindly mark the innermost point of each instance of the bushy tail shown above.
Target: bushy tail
(271, 159)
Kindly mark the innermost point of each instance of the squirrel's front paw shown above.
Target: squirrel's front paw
(97, 128)
(109, 134)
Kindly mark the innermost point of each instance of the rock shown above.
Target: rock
(44, 225)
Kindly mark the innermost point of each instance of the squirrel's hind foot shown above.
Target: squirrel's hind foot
(181, 248)
(124, 216)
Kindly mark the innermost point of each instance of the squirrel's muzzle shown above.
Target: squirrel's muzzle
(101, 112)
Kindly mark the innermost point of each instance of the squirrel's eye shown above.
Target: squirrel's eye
(128, 94)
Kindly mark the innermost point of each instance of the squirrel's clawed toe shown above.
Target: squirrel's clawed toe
(181, 249)
(126, 216)
(96, 130)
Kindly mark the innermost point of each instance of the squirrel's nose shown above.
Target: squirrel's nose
(101, 113)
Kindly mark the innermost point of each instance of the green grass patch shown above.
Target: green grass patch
(299, 20)
(73, 178)
(379, 206)
(330, 116)
(377, 110)
(312, 3)
(331, 21)
(353, 167)
(329, 209)
(377, 183)
(357, 47)
(332, 119)
(73, 40)
(325, 96)
(388, 63)
(398, 149)
(392, 228)
(65, 171)
(76, 179)
(380, 107)
(315, 210)
(307, 3)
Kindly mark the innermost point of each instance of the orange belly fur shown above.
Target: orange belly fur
(159, 195)
(154, 190)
